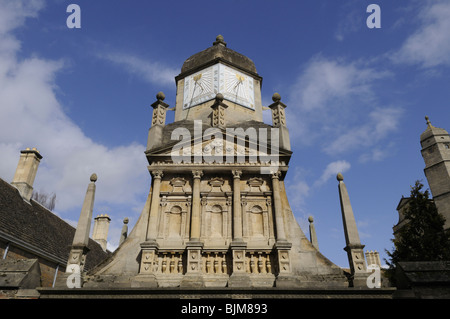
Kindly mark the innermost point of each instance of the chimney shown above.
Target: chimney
(26, 172)
(100, 232)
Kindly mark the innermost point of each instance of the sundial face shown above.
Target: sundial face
(203, 86)
(200, 87)
(237, 87)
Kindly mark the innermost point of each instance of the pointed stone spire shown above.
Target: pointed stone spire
(84, 222)
(81, 239)
(312, 233)
(353, 246)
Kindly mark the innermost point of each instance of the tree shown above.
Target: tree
(422, 237)
(46, 200)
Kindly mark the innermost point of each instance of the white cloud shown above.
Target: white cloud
(327, 81)
(32, 116)
(334, 103)
(428, 46)
(151, 72)
(331, 171)
(380, 123)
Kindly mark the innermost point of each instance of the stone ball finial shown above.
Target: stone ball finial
(340, 177)
(219, 97)
(94, 177)
(160, 96)
(219, 40)
(276, 97)
(310, 219)
(125, 220)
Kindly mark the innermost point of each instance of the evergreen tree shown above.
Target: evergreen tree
(422, 237)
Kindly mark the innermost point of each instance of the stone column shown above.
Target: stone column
(149, 248)
(154, 207)
(239, 276)
(282, 246)
(237, 210)
(353, 248)
(195, 212)
(281, 235)
(193, 276)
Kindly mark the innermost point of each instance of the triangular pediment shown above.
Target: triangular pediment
(216, 145)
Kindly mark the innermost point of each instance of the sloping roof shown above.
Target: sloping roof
(218, 52)
(37, 228)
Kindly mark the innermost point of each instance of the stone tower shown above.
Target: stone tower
(435, 144)
(217, 214)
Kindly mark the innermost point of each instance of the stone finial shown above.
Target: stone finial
(219, 40)
(124, 233)
(160, 96)
(218, 113)
(340, 177)
(428, 121)
(219, 97)
(93, 178)
(312, 233)
(159, 110)
(276, 97)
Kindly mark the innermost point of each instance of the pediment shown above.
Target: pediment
(219, 146)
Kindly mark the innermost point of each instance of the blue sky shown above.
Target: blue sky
(356, 97)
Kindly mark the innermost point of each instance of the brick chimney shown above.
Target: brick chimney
(26, 172)
(100, 232)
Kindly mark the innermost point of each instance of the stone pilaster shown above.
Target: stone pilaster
(146, 276)
(239, 276)
(193, 276)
